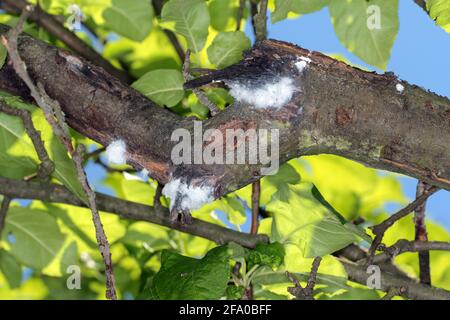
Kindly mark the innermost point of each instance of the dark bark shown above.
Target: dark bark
(336, 109)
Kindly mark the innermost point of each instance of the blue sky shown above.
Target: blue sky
(420, 56)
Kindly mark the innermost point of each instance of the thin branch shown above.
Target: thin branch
(46, 166)
(402, 246)
(157, 198)
(3, 211)
(392, 292)
(422, 235)
(256, 193)
(57, 29)
(305, 293)
(49, 192)
(240, 15)
(422, 4)
(55, 118)
(157, 5)
(260, 21)
(381, 228)
(199, 93)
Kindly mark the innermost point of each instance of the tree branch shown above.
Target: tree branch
(256, 190)
(305, 293)
(260, 21)
(3, 211)
(335, 109)
(402, 246)
(57, 29)
(46, 166)
(55, 117)
(381, 228)
(422, 235)
(48, 192)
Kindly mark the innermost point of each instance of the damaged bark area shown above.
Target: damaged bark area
(316, 105)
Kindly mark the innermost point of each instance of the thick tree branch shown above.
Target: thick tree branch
(57, 29)
(48, 192)
(335, 109)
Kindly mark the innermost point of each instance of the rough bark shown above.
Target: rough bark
(336, 109)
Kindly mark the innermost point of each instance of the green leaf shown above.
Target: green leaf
(11, 269)
(36, 234)
(366, 28)
(285, 176)
(165, 86)
(283, 7)
(266, 254)
(227, 48)
(235, 292)
(69, 257)
(3, 54)
(191, 19)
(222, 12)
(131, 19)
(309, 224)
(184, 278)
(440, 12)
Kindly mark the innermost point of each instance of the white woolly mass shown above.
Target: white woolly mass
(116, 152)
(303, 63)
(270, 95)
(192, 197)
(400, 88)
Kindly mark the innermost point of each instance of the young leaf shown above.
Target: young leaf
(227, 48)
(271, 255)
(191, 18)
(366, 28)
(440, 12)
(11, 269)
(310, 224)
(184, 278)
(222, 12)
(36, 236)
(283, 7)
(164, 86)
(131, 19)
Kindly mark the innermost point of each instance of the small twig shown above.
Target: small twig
(240, 15)
(381, 228)
(110, 169)
(402, 246)
(393, 291)
(305, 293)
(260, 21)
(3, 211)
(422, 235)
(422, 4)
(256, 191)
(200, 94)
(46, 166)
(94, 153)
(99, 231)
(55, 118)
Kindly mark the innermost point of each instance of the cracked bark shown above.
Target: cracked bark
(336, 109)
